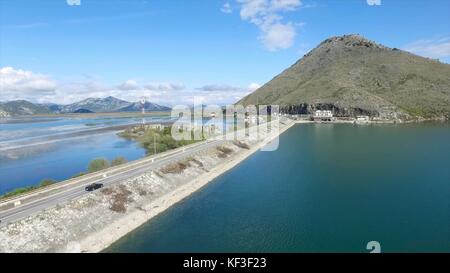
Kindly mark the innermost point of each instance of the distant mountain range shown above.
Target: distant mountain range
(352, 75)
(90, 105)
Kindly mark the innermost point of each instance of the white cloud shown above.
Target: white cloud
(75, 90)
(373, 2)
(164, 86)
(253, 86)
(267, 16)
(278, 36)
(434, 48)
(129, 85)
(220, 93)
(227, 88)
(219, 87)
(18, 83)
(73, 2)
(27, 25)
(226, 8)
(286, 4)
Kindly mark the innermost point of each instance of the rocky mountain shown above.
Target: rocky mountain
(53, 107)
(352, 75)
(108, 104)
(90, 105)
(148, 106)
(22, 107)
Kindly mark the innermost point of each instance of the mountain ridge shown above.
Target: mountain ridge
(89, 105)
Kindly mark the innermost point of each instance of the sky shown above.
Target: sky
(171, 51)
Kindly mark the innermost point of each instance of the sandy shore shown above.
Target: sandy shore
(104, 238)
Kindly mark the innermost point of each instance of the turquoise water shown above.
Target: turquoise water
(328, 188)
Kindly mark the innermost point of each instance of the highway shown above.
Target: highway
(78, 189)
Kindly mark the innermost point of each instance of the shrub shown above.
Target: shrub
(120, 199)
(175, 168)
(241, 144)
(224, 150)
(98, 165)
(118, 161)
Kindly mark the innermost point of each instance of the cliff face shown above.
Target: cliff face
(352, 75)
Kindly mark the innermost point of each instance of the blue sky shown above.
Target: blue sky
(170, 51)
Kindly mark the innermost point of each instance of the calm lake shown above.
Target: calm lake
(64, 157)
(328, 188)
(60, 147)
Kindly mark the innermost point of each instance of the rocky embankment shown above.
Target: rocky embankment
(384, 113)
(94, 221)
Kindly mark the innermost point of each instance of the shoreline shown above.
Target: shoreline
(103, 239)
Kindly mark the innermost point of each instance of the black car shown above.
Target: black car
(93, 187)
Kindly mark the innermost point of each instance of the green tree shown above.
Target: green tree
(118, 161)
(98, 164)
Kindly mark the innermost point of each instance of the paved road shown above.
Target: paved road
(27, 209)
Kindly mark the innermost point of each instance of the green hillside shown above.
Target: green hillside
(352, 75)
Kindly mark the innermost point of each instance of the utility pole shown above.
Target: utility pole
(257, 110)
(143, 100)
(154, 144)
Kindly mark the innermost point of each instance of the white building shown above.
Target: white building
(362, 118)
(323, 115)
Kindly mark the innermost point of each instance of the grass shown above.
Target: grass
(44, 183)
